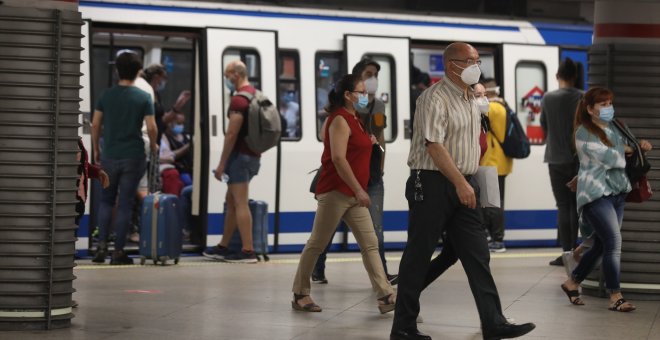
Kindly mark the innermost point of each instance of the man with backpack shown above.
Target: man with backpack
(238, 165)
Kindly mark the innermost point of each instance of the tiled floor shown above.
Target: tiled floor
(198, 299)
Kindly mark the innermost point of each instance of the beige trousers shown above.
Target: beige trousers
(332, 207)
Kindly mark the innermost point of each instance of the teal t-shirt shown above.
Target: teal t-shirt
(602, 168)
(124, 109)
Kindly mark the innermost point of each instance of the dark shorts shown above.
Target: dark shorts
(241, 167)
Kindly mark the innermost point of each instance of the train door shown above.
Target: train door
(393, 55)
(258, 50)
(85, 120)
(529, 72)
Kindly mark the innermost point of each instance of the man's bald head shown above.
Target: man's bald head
(236, 67)
(460, 51)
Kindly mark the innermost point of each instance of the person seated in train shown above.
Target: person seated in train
(341, 194)
(290, 111)
(602, 187)
(156, 76)
(173, 149)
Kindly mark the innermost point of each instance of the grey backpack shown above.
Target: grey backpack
(264, 123)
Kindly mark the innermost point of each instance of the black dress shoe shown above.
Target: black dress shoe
(557, 262)
(412, 334)
(508, 331)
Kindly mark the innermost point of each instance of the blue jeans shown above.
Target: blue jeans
(186, 207)
(125, 175)
(605, 215)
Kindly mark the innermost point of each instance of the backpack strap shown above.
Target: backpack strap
(247, 95)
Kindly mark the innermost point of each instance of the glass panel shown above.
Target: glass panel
(327, 70)
(103, 70)
(252, 62)
(387, 93)
(179, 65)
(530, 88)
(289, 90)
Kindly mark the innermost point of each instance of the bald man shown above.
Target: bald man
(444, 154)
(240, 164)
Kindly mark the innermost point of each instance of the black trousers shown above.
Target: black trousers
(441, 210)
(567, 217)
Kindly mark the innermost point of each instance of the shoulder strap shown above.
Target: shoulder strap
(625, 131)
(245, 94)
(371, 118)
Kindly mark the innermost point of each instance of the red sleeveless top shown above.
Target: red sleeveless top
(358, 155)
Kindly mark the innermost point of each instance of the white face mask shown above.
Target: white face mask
(470, 75)
(483, 104)
(371, 85)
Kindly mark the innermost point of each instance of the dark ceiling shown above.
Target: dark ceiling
(551, 10)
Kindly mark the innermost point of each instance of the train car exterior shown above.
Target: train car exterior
(298, 52)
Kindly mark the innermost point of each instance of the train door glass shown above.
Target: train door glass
(250, 58)
(328, 69)
(179, 64)
(103, 67)
(390, 52)
(428, 59)
(525, 69)
(530, 87)
(289, 92)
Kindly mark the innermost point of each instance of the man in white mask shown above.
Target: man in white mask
(444, 155)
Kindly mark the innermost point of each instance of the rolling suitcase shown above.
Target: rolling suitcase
(259, 210)
(161, 235)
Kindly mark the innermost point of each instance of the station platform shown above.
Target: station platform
(202, 299)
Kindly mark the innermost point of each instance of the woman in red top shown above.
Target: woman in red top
(341, 194)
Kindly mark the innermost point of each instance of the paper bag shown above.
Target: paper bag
(489, 188)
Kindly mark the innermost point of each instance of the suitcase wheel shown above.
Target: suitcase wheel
(176, 260)
(163, 260)
(142, 260)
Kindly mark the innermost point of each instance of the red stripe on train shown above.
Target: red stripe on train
(627, 30)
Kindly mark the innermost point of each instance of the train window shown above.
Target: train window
(289, 92)
(328, 69)
(180, 67)
(251, 59)
(530, 87)
(387, 93)
(103, 70)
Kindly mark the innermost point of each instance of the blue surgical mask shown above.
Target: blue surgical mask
(363, 101)
(177, 129)
(230, 85)
(607, 113)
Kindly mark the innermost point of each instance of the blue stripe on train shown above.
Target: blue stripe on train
(301, 222)
(297, 16)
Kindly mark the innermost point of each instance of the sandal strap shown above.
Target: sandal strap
(618, 303)
(297, 297)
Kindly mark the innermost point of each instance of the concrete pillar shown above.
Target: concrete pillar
(40, 45)
(625, 57)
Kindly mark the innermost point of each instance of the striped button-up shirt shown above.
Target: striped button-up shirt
(444, 116)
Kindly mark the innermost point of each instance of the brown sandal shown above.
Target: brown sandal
(310, 307)
(621, 305)
(387, 303)
(573, 294)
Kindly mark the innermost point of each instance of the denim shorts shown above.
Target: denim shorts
(241, 167)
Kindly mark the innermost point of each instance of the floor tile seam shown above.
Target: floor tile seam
(538, 282)
(657, 315)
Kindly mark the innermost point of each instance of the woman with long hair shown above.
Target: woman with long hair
(602, 185)
(341, 194)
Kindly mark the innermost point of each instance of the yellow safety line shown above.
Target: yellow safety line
(294, 261)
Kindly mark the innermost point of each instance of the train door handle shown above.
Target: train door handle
(214, 125)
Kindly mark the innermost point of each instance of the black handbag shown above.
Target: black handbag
(636, 163)
(315, 180)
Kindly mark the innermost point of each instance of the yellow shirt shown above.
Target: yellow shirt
(494, 155)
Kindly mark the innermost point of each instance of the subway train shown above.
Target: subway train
(294, 55)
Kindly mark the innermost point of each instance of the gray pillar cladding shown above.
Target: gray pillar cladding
(39, 112)
(625, 58)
